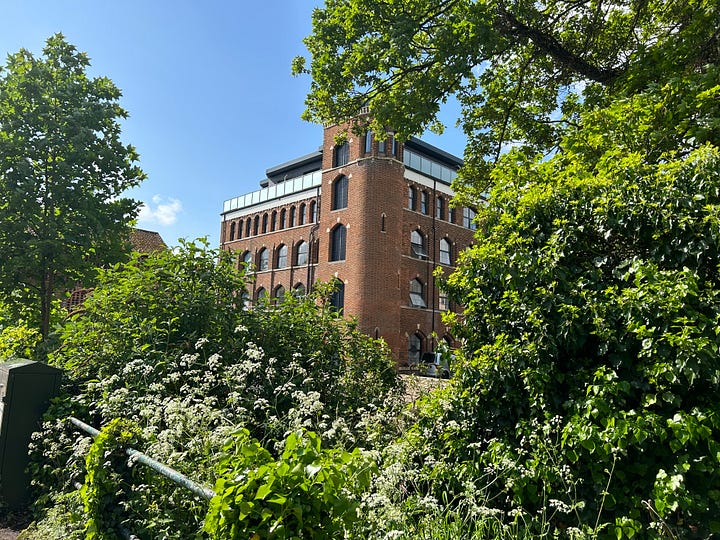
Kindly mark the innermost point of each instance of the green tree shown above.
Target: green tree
(62, 170)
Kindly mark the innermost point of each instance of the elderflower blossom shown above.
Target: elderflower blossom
(200, 342)
(254, 352)
(240, 329)
(214, 361)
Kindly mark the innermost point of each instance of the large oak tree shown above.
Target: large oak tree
(63, 168)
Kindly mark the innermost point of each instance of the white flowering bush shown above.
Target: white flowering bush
(164, 343)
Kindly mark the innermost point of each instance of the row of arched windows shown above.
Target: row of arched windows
(418, 248)
(337, 299)
(419, 201)
(280, 259)
(274, 221)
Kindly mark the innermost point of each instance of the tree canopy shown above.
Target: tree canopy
(63, 168)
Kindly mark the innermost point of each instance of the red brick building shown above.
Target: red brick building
(373, 215)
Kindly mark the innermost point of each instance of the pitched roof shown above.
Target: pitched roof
(146, 241)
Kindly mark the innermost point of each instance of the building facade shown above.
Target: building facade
(371, 215)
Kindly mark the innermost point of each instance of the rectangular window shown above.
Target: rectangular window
(341, 154)
(411, 197)
(381, 146)
(469, 218)
(443, 302)
(368, 142)
(423, 202)
(439, 208)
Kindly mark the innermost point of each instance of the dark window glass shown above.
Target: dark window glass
(273, 221)
(240, 229)
(445, 251)
(256, 225)
(265, 223)
(440, 208)
(417, 245)
(340, 193)
(337, 243)
(412, 195)
(279, 292)
(247, 228)
(313, 212)
(282, 218)
(468, 218)
(232, 231)
(282, 257)
(414, 349)
(292, 216)
(341, 154)
(302, 215)
(423, 202)
(417, 296)
(337, 300)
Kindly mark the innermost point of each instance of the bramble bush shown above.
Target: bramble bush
(165, 343)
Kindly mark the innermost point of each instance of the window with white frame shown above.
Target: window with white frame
(302, 254)
(445, 246)
(417, 294)
(282, 254)
(417, 245)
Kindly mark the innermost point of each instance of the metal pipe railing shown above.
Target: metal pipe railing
(164, 470)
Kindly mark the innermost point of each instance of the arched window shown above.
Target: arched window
(299, 290)
(232, 231)
(337, 243)
(247, 227)
(337, 300)
(417, 294)
(279, 292)
(256, 225)
(273, 221)
(292, 216)
(282, 253)
(261, 295)
(415, 342)
(265, 223)
(247, 260)
(341, 154)
(424, 202)
(301, 216)
(368, 141)
(445, 251)
(240, 229)
(417, 245)
(282, 218)
(302, 254)
(313, 212)
(263, 259)
(245, 299)
(340, 193)
(412, 197)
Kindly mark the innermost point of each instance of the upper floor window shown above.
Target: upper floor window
(424, 202)
(247, 259)
(417, 245)
(302, 253)
(394, 151)
(337, 300)
(451, 215)
(469, 218)
(256, 225)
(279, 292)
(368, 141)
(232, 231)
(282, 253)
(273, 221)
(439, 208)
(417, 294)
(264, 223)
(313, 212)
(443, 301)
(382, 146)
(240, 229)
(337, 243)
(341, 154)
(282, 218)
(247, 227)
(340, 193)
(263, 259)
(412, 197)
(292, 216)
(301, 215)
(445, 251)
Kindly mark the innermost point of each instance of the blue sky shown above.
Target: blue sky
(208, 88)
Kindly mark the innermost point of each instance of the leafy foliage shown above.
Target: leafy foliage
(307, 493)
(62, 171)
(164, 343)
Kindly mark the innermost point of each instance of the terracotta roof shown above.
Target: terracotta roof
(146, 241)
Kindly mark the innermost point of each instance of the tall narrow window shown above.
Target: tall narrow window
(341, 154)
(368, 141)
(232, 231)
(261, 295)
(273, 221)
(451, 215)
(382, 146)
(412, 196)
(340, 193)
(302, 253)
(337, 300)
(337, 243)
(292, 216)
(417, 294)
(414, 349)
(299, 290)
(247, 260)
(443, 302)
(282, 218)
(439, 207)
(417, 245)
(240, 229)
(282, 253)
(469, 218)
(265, 223)
(313, 212)
(263, 259)
(445, 251)
(247, 227)
(280, 292)
(302, 215)
(256, 225)
(394, 146)
(424, 202)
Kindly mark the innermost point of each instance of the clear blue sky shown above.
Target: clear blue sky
(208, 88)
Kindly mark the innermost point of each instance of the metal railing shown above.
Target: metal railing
(177, 477)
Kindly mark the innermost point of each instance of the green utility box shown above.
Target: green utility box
(26, 388)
